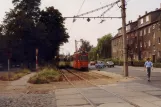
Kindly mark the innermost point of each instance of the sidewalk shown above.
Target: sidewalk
(142, 68)
(122, 94)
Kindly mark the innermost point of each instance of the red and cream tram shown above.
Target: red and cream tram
(80, 60)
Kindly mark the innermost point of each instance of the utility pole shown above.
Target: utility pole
(123, 13)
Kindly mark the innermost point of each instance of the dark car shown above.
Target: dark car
(110, 64)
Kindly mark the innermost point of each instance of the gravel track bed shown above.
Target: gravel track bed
(27, 100)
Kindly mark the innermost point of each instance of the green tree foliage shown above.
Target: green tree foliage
(86, 45)
(93, 53)
(103, 48)
(26, 28)
(51, 32)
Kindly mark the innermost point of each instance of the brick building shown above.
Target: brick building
(143, 38)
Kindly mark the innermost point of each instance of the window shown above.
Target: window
(145, 31)
(84, 58)
(147, 18)
(120, 31)
(141, 20)
(149, 30)
(141, 33)
(154, 35)
(158, 53)
(154, 26)
(145, 44)
(127, 27)
(149, 54)
(149, 43)
(159, 40)
(140, 44)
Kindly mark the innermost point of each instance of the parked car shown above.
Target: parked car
(109, 64)
(92, 63)
(100, 64)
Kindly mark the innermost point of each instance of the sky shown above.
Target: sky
(91, 31)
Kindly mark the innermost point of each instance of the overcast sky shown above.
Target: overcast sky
(90, 30)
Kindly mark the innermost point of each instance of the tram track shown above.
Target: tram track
(91, 103)
(95, 85)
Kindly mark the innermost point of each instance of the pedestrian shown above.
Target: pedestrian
(148, 66)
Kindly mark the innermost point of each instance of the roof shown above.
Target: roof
(116, 36)
(149, 13)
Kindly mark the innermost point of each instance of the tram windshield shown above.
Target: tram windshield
(84, 58)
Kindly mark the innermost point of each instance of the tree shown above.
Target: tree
(27, 28)
(86, 45)
(20, 27)
(104, 46)
(93, 54)
(51, 32)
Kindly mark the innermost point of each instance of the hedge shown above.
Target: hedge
(157, 65)
(136, 63)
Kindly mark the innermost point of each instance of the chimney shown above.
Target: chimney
(146, 12)
(129, 22)
(156, 9)
(139, 16)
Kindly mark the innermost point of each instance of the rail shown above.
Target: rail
(93, 105)
(116, 95)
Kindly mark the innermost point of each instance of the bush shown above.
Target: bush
(138, 63)
(46, 75)
(117, 62)
(159, 60)
(157, 65)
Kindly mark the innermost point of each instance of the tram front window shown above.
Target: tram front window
(84, 58)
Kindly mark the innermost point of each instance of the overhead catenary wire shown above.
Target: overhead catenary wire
(77, 14)
(115, 10)
(92, 11)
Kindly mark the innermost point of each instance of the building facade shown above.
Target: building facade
(143, 38)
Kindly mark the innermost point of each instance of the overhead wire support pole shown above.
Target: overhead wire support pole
(123, 11)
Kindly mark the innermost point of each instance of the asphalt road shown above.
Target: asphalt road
(138, 72)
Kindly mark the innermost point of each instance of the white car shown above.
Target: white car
(110, 64)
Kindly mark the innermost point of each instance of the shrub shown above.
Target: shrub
(138, 63)
(46, 75)
(159, 60)
(157, 65)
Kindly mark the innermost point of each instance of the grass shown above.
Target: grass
(11, 76)
(46, 75)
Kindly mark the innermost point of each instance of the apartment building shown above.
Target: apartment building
(143, 38)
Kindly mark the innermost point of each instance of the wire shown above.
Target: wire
(92, 11)
(81, 7)
(107, 10)
(119, 8)
(77, 14)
